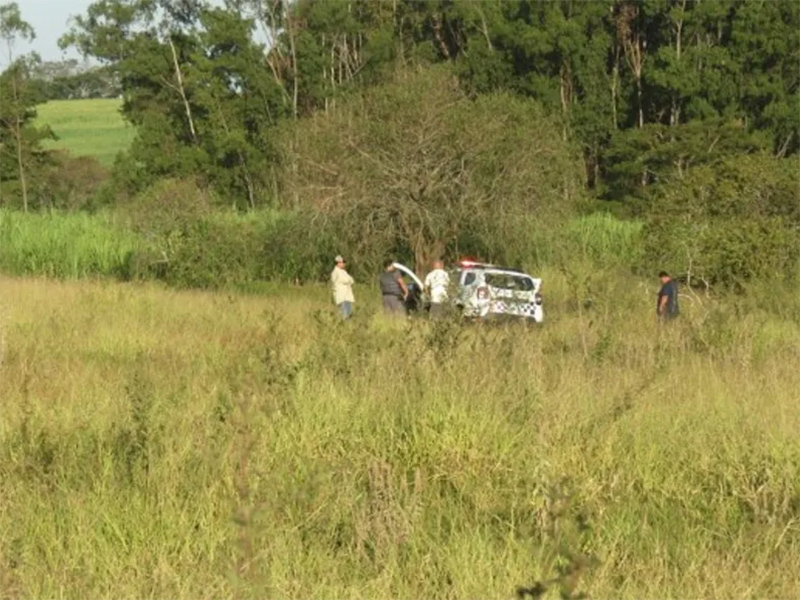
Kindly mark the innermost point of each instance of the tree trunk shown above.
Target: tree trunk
(634, 48)
(425, 253)
(18, 137)
(20, 163)
(675, 109)
(181, 89)
(248, 182)
(294, 64)
(565, 90)
(268, 25)
(437, 33)
(639, 101)
(485, 28)
(615, 87)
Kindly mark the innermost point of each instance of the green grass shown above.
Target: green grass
(87, 127)
(64, 245)
(604, 239)
(196, 445)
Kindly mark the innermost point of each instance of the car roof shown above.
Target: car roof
(504, 270)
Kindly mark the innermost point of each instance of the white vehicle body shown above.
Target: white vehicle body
(486, 291)
(483, 291)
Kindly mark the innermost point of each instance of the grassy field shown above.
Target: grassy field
(64, 245)
(87, 127)
(168, 444)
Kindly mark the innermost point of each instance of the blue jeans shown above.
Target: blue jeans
(345, 309)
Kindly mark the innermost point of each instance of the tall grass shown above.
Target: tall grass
(222, 248)
(597, 241)
(197, 445)
(605, 239)
(64, 245)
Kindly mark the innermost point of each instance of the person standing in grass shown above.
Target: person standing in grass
(436, 284)
(667, 307)
(393, 290)
(342, 284)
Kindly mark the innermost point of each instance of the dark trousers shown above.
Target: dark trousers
(437, 310)
(394, 305)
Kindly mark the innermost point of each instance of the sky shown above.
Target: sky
(49, 19)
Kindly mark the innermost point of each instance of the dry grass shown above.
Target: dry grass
(193, 445)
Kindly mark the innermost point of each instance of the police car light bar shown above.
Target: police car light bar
(468, 262)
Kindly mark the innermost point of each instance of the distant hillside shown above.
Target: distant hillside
(87, 127)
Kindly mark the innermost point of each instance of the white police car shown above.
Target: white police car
(486, 291)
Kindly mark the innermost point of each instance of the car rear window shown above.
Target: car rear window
(506, 281)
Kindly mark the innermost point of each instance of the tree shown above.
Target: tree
(18, 138)
(415, 166)
(667, 153)
(12, 27)
(765, 41)
(195, 85)
(614, 72)
(727, 223)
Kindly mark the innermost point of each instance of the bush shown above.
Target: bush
(416, 168)
(74, 183)
(192, 242)
(216, 251)
(168, 206)
(294, 246)
(727, 224)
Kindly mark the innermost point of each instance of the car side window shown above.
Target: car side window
(526, 284)
(505, 281)
(469, 278)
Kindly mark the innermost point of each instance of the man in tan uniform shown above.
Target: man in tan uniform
(342, 284)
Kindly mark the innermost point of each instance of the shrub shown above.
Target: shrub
(215, 251)
(295, 246)
(416, 168)
(727, 224)
(74, 183)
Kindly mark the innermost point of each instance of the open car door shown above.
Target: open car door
(416, 289)
(406, 271)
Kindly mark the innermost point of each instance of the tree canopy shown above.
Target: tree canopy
(414, 121)
(206, 93)
(414, 164)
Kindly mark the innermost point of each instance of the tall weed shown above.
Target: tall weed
(187, 444)
(65, 245)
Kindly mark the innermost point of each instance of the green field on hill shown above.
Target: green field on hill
(87, 127)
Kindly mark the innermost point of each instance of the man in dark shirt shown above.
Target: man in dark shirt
(667, 307)
(393, 290)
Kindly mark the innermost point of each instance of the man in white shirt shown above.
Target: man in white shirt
(436, 284)
(342, 284)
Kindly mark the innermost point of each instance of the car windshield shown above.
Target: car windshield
(507, 281)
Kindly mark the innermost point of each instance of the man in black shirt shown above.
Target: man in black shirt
(393, 290)
(667, 307)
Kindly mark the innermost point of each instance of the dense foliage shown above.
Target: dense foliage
(653, 96)
(609, 69)
(414, 165)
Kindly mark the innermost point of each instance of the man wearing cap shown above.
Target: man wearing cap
(667, 307)
(342, 284)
